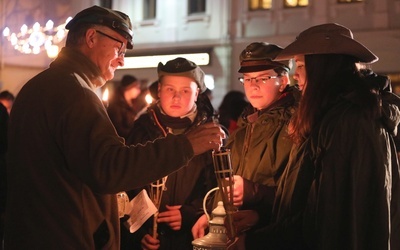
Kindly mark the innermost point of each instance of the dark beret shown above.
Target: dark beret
(183, 67)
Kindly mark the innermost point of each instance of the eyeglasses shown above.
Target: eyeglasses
(261, 79)
(120, 51)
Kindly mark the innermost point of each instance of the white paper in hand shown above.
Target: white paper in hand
(142, 209)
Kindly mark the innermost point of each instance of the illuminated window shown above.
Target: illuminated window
(350, 1)
(197, 6)
(260, 4)
(149, 9)
(296, 3)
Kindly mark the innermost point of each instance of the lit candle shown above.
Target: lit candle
(148, 99)
(105, 97)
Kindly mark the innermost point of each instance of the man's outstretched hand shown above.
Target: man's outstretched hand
(206, 137)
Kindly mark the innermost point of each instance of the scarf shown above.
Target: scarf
(73, 61)
(175, 122)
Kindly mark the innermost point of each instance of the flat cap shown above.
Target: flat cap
(116, 20)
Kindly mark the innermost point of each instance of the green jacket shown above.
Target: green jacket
(260, 147)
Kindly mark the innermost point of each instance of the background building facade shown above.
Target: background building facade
(218, 28)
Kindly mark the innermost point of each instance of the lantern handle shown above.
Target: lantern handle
(205, 199)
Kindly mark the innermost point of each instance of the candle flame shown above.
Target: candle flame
(148, 99)
(105, 95)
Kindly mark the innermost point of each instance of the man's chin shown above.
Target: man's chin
(109, 76)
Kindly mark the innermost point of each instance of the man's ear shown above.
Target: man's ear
(90, 37)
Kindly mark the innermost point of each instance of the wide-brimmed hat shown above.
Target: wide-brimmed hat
(330, 38)
(116, 20)
(183, 67)
(259, 56)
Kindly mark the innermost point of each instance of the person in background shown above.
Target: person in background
(122, 108)
(65, 161)
(7, 100)
(260, 147)
(182, 106)
(142, 101)
(209, 93)
(341, 188)
(153, 90)
(232, 105)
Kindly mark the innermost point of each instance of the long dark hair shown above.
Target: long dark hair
(329, 76)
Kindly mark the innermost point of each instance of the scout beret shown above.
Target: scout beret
(183, 67)
(259, 56)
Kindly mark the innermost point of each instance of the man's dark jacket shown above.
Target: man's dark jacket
(66, 162)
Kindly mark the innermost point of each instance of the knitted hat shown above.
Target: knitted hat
(330, 38)
(260, 56)
(113, 19)
(182, 67)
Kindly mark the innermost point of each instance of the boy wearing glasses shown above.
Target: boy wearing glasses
(260, 147)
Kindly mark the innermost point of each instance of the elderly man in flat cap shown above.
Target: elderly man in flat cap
(65, 161)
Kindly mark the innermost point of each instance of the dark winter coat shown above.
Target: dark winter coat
(66, 162)
(341, 189)
(3, 149)
(186, 187)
